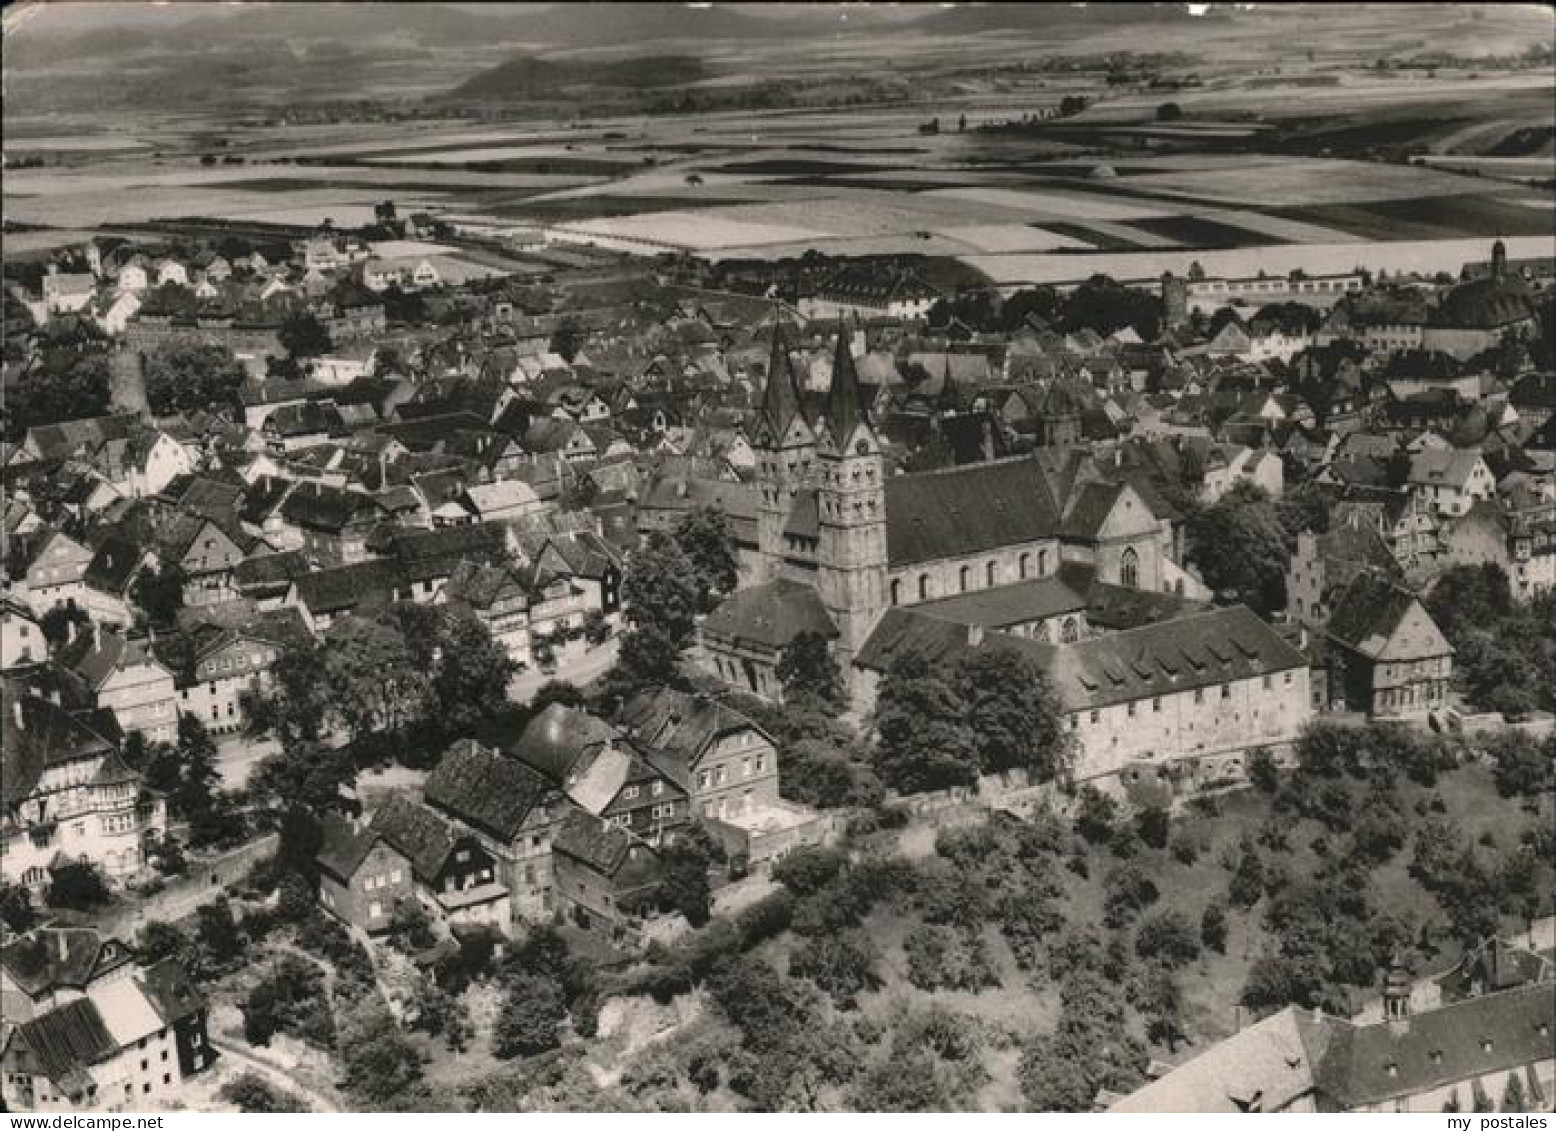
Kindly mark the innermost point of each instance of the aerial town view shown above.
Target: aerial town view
(818, 557)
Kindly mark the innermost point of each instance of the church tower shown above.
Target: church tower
(851, 501)
(785, 447)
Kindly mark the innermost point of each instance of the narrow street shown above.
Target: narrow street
(589, 667)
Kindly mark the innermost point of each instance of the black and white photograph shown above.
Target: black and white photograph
(808, 558)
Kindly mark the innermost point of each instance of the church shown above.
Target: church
(1055, 554)
(841, 540)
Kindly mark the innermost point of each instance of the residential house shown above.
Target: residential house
(513, 810)
(47, 568)
(1391, 659)
(123, 676)
(1323, 566)
(455, 876)
(1451, 480)
(606, 876)
(330, 526)
(586, 759)
(129, 1041)
(230, 663)
(67, 794)
(21, 635)
(361, 875)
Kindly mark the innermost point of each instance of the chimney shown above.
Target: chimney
(62, 944)
(16, 715)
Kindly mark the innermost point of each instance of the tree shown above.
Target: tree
(1240, 547)
(683, 884)
(1153, 824)
(16, 910)
(158, 592)
(1104, 305)
(374, 680)
(191, 378)
(705, 537)
(77, 885)
(1247, 885)
(925, 741)
(809, 673)
(1167, 935)
(1126, 891)
(1169, 112)
(662, 597)
(532, 1010)
(568, 338)
(379, 1064)
(841, 965)
(61, 624)
(300, 701)
(1213, 928)
(1095, 814)
(1521, 768)
(192, 790)
(309, 775)
(1014, 716)
(789, 1051)
(67, 385)
(251, 1093)
(302, 335)
(470, 669)
(1263, 774)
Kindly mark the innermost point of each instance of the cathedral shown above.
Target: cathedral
(1022, 546)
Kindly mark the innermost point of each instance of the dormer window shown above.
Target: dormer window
(1392, 1069)
(1437, 1058)
(1486, 1044)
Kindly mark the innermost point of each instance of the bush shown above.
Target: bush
(1213, 927)
(77, 885)
(1095, 813)
(807, 870)
(1167, 935)
(948, 958)
(251, 1093)
(532, 1012)
(1152, 824)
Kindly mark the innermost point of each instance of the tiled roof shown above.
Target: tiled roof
(68, 1040)
(417, 833)
(770, 615)
(1018, 603)
(967, 510)
(60, 958)
(485, 789)
(1369, 611)
(557, 738)
(344, 846)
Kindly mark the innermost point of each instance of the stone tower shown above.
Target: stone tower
(785, 446)
(1175, 300)
(851, 502)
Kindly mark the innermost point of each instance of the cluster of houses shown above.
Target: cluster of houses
(566, 819)
(88, 1026)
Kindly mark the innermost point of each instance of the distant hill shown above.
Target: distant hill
(529, 77)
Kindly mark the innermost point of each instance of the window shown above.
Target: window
(990, 574)
(1131, 708)
(1266, 683)
(1023, 566)
(702, 779)
(964, 577)
(656, 789)
(896, 592)
(630, 793)
(1129, 569)
(1199, 695)
(1226, 691)
(923, 587)
(1096, 716)
(1156, 706)
(394, 876)
(761, 763)
(1042, 563)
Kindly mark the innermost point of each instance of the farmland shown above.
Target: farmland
(1310, 163)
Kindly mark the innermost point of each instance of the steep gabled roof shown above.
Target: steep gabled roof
(485, 789)
(967, 510)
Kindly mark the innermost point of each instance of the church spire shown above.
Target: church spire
(781, 397)
(846, 409)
